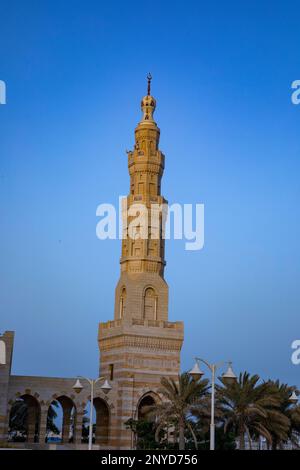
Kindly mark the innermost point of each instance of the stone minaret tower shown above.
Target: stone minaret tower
(140, 345)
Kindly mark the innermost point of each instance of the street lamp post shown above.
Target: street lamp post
(293, 399)
(105, 388)
(228, 376)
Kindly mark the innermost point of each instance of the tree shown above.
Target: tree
(202, 413)
(144, 432)
(52, 415)
(246, 405)
(287, 426)
(19, 416)
(18, 420)
(179, 400)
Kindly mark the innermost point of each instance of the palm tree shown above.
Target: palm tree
(179, 399)
(246, 405)
(52, 415)
(19, 416)
(202, 412)
(288, 427)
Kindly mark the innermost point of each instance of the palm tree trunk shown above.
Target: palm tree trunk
(274, 443)
(181, 435)
(193, 435)
(249, 438)
(242, 438)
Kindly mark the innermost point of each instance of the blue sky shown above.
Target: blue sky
(222, 73)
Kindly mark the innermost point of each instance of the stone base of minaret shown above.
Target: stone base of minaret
(135, 354)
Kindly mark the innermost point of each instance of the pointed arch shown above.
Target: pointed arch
(24, 419)
(67, 410)
(2, 352)
(150, 301)
(102, 421)
(122, 303)
(148, 398)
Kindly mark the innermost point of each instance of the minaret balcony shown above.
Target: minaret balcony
(140, 332)
(177, 325)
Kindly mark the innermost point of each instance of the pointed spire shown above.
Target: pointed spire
(148, 105)
(149, 78)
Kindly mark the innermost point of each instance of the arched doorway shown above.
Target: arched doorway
(100, 422)
(60, 420)
(54, 422)
(144, 433)
(24, 419)
(68, 419)
(142, 410)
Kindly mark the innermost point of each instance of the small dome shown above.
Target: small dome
(148, 101)
(148, 105)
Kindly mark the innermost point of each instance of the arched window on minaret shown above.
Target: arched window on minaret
(2, 352)
(150, 304)
(122, 303)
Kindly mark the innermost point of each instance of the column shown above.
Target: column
(66, 424)
(4, 425)
(78, 426)
(32, 423)
(43, 424)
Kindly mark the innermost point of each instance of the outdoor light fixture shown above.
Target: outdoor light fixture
(196, 372)
(77, 386)
(293, 398)
(106, 387)
(92, 382)
(229, 376)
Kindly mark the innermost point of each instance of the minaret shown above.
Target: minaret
(142, 291)
(140, 345)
